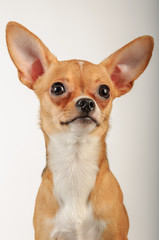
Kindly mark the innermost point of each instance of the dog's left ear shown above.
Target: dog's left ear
(126, 64)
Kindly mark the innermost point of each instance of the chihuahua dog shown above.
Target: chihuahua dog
(79, 198)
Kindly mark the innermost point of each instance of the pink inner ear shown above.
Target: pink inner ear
(36, 69)
(119, 75)
(116, 76)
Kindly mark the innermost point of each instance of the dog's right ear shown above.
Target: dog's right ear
(31, 57)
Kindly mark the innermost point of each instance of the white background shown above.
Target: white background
(89, 30)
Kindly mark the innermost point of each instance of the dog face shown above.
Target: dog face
(75, 95)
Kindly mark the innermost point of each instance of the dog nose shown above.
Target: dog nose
(85, 105)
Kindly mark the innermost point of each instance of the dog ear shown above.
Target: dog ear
(126, 64)
(31, 57)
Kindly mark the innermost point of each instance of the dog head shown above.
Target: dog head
(75, 95)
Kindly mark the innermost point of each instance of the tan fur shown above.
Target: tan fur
(106, 197)
(45, 208)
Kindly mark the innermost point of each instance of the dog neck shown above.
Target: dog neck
(74, 163)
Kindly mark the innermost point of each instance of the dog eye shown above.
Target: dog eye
(58, 89)
(104, 91)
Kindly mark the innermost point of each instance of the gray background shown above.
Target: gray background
(89, 30)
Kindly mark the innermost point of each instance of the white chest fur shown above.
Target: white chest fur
(74, 163)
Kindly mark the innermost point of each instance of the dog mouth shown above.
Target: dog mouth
(81, 120)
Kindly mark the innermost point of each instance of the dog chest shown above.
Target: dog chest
(73, 224)
(74, 164)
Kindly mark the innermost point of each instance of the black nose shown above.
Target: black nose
(85, 105)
